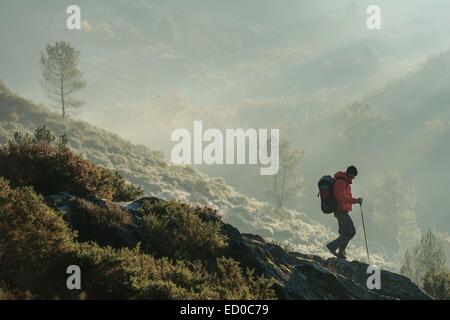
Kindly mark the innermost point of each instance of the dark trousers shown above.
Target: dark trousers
(346, 231)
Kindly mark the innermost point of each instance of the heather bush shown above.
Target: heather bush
(123, 191)
(128, 274)
(177, 230)
(32, 237)
(437, 284)
(7, 294)
(103, 222)
(51, 169)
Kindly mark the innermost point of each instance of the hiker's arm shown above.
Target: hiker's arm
(339, 194)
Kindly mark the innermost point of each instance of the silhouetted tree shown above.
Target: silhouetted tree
(287, 184)
(60, 74)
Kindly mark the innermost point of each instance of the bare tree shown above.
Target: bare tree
(287, 184)
(60, 74)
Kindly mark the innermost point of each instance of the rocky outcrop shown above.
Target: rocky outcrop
(309, 277)
(296, 275)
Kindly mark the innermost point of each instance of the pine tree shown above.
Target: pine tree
(60, 75)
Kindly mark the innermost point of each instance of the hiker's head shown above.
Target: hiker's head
(351, 172)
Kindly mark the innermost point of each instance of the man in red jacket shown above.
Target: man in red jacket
(343, 195)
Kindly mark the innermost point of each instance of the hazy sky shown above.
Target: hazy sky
(215, 51)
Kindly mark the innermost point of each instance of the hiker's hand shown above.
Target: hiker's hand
(360, 201)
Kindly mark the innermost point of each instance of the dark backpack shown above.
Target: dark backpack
(328, 202)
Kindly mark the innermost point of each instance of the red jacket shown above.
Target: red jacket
(343, 192)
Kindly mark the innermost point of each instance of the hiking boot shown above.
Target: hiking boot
(342, 256)
(333, 251)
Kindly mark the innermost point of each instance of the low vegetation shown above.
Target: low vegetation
(51, 167)
(167, 250)
(174, 229)
(426, 265)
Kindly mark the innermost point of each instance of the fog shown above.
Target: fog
(377, 99)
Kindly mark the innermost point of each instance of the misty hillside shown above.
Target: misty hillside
(397, 135)
(58, 210)
(419, 114)
(159, 178)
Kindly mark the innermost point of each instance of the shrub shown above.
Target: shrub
(233, 283)
(15, 294)
(32, 236)
(102, 222)
(124, 274)
(128, 274)
(123, 191)
(178, 230)
(49, 169)
(437, 285)
(43, 135)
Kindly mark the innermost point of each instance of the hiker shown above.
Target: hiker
(343, 195)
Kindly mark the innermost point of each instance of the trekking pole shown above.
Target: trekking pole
(365, 237)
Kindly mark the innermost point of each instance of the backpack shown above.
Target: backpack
(328, 202)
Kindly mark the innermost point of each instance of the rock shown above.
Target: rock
(308, 257)
(306, 277)
(136, 205)
(392, 284)
(253, 237)
(61, 203)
